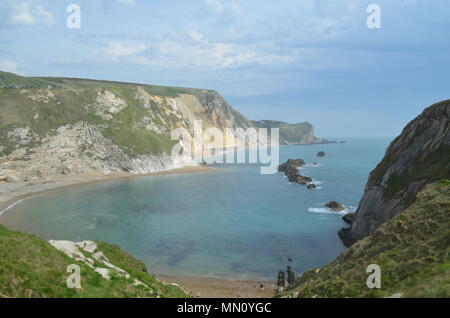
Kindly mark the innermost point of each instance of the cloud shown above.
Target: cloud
(25, 13)
(117, 50)
(8, 65)
(204, 55)
(126, 2)
(218, 6)
(215, 5)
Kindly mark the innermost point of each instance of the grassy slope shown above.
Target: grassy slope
(412, 250)
(166, 91)
(31, 267)
(13, 80)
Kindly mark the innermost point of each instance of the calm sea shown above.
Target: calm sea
(229, 223)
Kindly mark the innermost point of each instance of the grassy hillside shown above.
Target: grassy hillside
(10, 80)
(167, 91)
(31, 267)
(412, 250)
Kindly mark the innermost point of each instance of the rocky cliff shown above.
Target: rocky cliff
(54, 126)
(300, 133)
(419, 156)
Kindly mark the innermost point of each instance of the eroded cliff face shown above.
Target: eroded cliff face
(419, 156)
(82, 126)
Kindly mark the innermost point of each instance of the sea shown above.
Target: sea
(230, 223)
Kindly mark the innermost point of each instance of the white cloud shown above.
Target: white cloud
(219, 6)
(215, 5)
(117, 50)
(8, 65)
(126, 2)
(170, 54)
(26, 13)
(196, 36)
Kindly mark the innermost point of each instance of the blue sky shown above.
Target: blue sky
(290, 60)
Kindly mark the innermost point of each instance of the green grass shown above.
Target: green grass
(10, 80)
(31, 267)
(166, 91)
(412, 250)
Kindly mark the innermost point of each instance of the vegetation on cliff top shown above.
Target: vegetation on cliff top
(412, 250)
(291, 133)
(31, 267)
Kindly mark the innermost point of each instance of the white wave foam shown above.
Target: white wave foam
(16, 203)
(312, 165)
(11, 206)
(348, 209)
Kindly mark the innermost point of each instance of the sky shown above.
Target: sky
(289, 60)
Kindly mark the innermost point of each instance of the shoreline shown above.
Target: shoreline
(204, 287)
(12, 194)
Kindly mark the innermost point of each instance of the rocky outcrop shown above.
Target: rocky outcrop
(348, 218)
(291, 163)
(335, 206)
(290, 169)
(301, 133)
(419, 156)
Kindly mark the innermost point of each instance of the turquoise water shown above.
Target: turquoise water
(232, 222)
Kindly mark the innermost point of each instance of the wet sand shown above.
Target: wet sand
(222, 288)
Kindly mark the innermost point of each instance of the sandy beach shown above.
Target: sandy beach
(221, 288)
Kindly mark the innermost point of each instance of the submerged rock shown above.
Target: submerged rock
(311, 186)
(335, 206)
(321, 154)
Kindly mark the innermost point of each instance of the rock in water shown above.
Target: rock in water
(291, 163)
(335, 206)
(311, 186)
(290, 169)
(321, 154)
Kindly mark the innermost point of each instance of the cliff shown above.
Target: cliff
(419, 156)
(412, 250)
(300, 133)
(54, 126)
